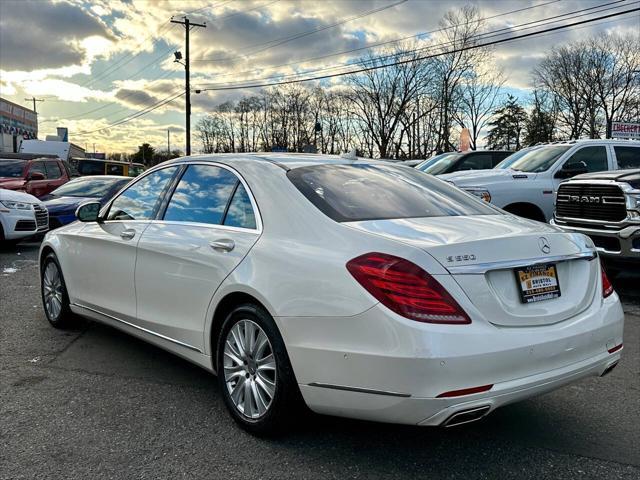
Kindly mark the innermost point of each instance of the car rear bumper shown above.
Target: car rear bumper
(623, 243)
(397, 373)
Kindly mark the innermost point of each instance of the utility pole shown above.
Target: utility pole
(34, 100)
(187, 27)
(168, 145)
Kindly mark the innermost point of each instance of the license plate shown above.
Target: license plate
(537, 283)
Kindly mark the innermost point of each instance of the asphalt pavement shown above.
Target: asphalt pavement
(93, 403)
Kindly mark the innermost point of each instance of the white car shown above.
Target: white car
(361, 288)
(526, 182)
(21, 215)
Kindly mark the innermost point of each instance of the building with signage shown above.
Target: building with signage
(17, 123)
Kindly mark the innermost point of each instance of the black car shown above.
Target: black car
(455, 161)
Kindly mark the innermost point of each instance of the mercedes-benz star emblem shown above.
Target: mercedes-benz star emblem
(543, 243)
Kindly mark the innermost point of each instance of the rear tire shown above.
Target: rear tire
(55, 299)
(254, 372)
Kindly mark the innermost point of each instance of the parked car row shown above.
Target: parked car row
(22, 215)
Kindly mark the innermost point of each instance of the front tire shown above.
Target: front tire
(55, 299)
(257, 382)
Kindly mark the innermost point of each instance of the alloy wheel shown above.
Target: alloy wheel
(249, 369)
(53, 290)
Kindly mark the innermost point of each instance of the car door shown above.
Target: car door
(103, 255)
(208, 226)
(37, 188)
(55, 175)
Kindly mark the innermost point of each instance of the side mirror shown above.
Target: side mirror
(36, 176)
(88, 211)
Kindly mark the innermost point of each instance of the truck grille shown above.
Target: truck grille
(591, 202)
(42, 217)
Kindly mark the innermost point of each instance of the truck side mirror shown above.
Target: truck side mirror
(36, 176)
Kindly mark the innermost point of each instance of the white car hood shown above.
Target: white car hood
(13, 196)
(483, 178)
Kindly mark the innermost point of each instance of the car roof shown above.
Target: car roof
(287, 161)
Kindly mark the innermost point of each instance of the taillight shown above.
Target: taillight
(406, 289)
(607, 288)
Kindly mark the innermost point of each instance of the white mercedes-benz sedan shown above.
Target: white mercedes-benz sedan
(359, 288)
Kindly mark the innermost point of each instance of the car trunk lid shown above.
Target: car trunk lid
(482, 253)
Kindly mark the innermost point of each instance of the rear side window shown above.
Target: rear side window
(115, 169)
(594, 159)
(90, 167)
(348, 193)
(201, 195)
(53, 170)
(475, 161)
(240, 212)
(628, 157)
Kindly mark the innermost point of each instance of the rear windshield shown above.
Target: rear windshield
(89, 187)
(11, 168)
(350, 193)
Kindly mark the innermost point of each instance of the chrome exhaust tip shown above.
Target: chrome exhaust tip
(466, 416)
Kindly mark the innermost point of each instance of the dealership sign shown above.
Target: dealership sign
(625, 130)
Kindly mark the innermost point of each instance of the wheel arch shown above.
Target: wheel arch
(222, 309)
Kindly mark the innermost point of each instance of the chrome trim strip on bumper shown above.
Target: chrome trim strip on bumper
(482, 268)
(159, 335)
(359, 390)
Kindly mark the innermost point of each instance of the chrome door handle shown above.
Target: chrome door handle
(223, 245)
(128, 234)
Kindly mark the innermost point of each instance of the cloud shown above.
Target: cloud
(37, 35)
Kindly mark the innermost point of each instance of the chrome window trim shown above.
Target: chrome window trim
(482, 268)
(206, 225)
(142, 329)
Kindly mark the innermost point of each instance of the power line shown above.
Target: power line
(402, 62)
(281, 41)
(483, 36)
(365, 69)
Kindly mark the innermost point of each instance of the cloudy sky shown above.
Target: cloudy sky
(98, 62)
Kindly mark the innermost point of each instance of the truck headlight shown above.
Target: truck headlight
(482, 193)
(633, 201)
(16, 205)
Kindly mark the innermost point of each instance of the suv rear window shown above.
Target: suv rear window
(351, 193)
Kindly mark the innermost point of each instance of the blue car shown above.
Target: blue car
(64, 200)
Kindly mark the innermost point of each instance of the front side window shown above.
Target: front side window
(240, 212)
(53, 169)
(594, 159)
(358, 192)
(201, 195)
(628, 157)
(38, 167)
(140, 200)
(534, 159)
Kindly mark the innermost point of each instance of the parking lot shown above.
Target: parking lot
(95, 403)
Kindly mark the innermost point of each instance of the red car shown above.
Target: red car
(36, 176)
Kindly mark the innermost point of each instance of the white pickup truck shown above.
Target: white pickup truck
(526, 182)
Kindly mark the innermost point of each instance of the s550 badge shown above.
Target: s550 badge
(461, 258)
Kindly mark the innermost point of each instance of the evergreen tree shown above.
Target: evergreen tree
(507, 126)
